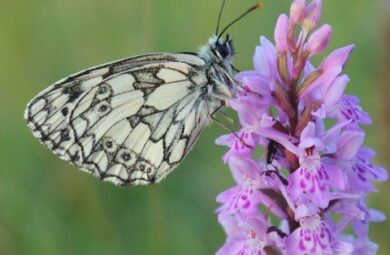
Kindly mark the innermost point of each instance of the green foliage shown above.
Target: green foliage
(48, 207)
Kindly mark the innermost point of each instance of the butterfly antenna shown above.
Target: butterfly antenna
(255, 7)
(220, 15)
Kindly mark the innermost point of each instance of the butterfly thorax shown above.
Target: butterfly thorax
(218, 54)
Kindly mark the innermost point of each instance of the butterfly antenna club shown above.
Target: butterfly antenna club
(253, 8)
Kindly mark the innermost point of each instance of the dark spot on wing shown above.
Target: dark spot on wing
(109, 144)
(134, 120)
(103, 89)
(65, 111)
(102, 108)
(74, 92)
(126, 156)
(65, 135)
(75, 157)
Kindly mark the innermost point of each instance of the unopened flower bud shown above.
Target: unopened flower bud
(296, 11)
(312, 15)
(281, 30)
(319, 40)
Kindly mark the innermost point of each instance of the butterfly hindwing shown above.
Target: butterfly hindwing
(128, 122)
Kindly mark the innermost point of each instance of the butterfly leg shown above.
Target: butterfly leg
(228, 128)
(246, 89)
(235, 69)
(219, 110)
(229, 119)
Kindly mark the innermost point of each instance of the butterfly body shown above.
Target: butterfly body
(131, 122)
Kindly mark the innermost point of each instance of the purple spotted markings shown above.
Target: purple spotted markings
(312, 183)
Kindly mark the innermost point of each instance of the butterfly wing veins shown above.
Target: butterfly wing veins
(128, 122)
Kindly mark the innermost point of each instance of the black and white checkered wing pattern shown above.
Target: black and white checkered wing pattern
(128, 122)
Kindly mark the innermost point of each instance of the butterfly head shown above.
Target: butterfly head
(222, 49)
(218, 50)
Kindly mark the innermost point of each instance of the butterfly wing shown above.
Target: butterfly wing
(128, 122)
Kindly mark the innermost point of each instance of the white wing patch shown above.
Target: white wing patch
(163, 96)
(128, 122)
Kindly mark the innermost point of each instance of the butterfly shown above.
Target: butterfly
(132, 121)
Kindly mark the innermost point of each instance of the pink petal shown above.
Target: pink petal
(348, 144)
(381, 174)
(259, 62)
(225, 140)
(231, 227)
(228, 194)
(342, 248)
(336, 177)
(337, 58)
(305, 208)
(332, 134)
(308, 131)
(231, 248)
(308, 69)
(336, 90)
(247, 74)
(245, 166)
(270, 57)
(323, 81)
(376, 216)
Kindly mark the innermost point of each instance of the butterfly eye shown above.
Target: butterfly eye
(223, 50)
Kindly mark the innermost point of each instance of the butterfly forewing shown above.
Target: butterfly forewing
(128, 122)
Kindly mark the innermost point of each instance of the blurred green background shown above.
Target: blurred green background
(48, 207)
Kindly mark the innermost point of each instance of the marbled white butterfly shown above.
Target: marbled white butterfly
(132, 121)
